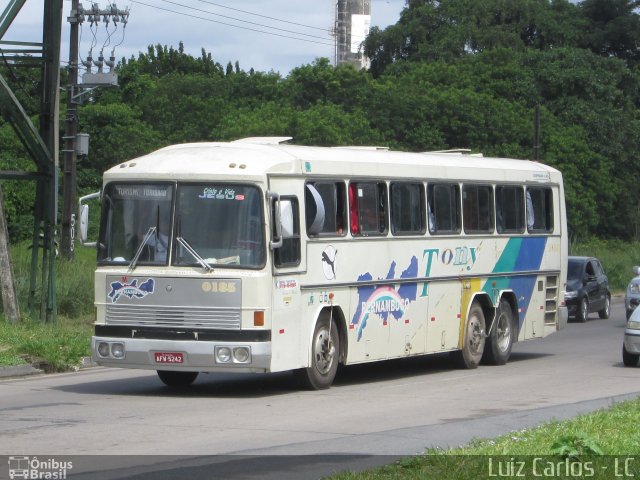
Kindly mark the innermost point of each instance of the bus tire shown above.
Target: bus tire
(500, 341)
(474, 339)
(325, 353)
(177, 379)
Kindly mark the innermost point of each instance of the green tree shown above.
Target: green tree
(613, 28)
(332, 125)
(268, 119)
(431, 30)
(117, 133)
(322, 83)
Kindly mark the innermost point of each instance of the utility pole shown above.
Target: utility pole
(536, 132)
(70, 134)
(72, 146)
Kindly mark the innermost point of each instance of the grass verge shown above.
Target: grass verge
(602, 444)
(53, 348)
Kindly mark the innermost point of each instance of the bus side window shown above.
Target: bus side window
(368, 208)
(330, 198)
(510, 209)
(407, 208)
(477, 203)
(443, 202)
(539, 210)
(288, 255)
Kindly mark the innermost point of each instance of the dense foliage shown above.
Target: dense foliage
(449, 74)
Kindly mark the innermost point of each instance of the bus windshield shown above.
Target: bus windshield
(135, 217)
(188, 224)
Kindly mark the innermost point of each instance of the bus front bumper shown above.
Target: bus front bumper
(184, 355)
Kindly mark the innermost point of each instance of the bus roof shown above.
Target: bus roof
(262, 156)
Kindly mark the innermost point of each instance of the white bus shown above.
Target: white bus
(259, 256)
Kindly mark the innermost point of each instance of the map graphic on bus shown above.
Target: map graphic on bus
(131, 290)
(385, 300)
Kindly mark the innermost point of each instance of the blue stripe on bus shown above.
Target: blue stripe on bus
(520, 254)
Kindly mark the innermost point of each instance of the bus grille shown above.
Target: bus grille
(188, 317)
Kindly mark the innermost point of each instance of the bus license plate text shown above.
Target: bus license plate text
(169, 357)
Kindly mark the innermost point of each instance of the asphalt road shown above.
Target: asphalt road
(262, 426)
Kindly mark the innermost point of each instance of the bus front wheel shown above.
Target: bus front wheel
(325, 348)
(474, 339)
(177, 379)
(500, 340)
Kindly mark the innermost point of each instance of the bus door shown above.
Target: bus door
(288, 262)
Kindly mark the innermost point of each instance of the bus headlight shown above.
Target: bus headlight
(117, 350)
(103, 349)
(232, 354)
(242, 355)
(223, 354)
(111, 350)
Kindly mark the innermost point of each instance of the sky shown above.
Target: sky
(299, 30)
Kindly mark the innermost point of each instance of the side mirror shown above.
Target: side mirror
(83, 215)
(286, 219)
(84, 224)
(636, 270)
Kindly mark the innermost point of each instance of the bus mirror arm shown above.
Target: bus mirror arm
(277, 238)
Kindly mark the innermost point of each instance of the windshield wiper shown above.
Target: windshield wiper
(194, 254)
(146, 238)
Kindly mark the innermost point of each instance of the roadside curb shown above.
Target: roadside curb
(28, 369)
(19, 371)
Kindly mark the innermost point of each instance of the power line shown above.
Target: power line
(232, 25)
(241, 20)
(263, 16)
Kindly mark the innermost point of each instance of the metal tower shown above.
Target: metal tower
(40, 143)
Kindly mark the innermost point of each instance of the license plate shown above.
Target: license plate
(169, 357)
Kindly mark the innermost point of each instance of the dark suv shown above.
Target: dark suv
(587, 289)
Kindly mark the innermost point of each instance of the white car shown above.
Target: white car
(631, 344)
(632, 295)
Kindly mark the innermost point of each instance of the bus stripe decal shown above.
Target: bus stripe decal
(519, 254)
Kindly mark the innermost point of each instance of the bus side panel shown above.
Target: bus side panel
(408, 326)
(368, 329)
(289, 325)
(443, 317)
(534, 324)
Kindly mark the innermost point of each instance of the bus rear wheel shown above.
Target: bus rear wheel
(474, 340)
(325, 348)
(177, 379)
(498, 349)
